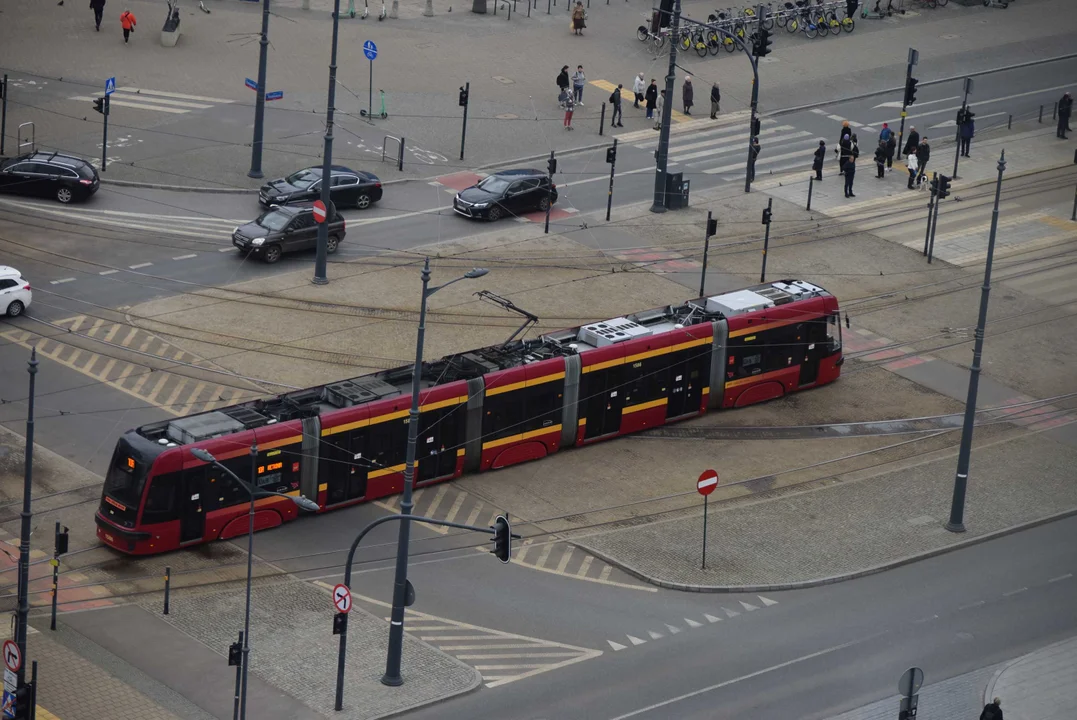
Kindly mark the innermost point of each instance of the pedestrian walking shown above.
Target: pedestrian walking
(579, 20)
(912, 165)
(844, 151)
(570, 107)
(1065, 107)
(854, 148)
(891, 149)
(579, 80)
(651, 97)
(615, 100)
(850, 175)
(753, 154)
(659, 103)
(688, 95)
(884, 137)
(820, 157)
(127, 22)
(912, 141)
(563, 84)
(880, 158)
(992, 710)
(98, 7)
(923, 154)
(966, 130)
(638, 87)
(716, 99)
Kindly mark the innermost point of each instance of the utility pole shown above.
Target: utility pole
(551, 166)
(962, 116)
(3, 113)
(712, 229)
(611, 158)
(766, 239)
(760, 49)
(910, 94)
(465, 98)
(957, 504)
(25, 515)
(327, 157)
(662, 155)
(260, 95)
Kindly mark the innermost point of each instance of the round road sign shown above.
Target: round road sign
(707, 482)
(910, 682)
(342, 598)
(370, 50)
(319, 211)
(12, 656)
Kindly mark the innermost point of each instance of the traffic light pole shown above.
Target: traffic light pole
(662, 157)
(260, 97)
(465, 100)
(934, 224)
(766, 239)
(613, 165)
(104, 133)
(327, 156)
(343, 647)
(914, 57)
(930, 215)
(749, 172)
(957, 505)
(24, 536)
(3, 113)
(706, 251)
(552, 167)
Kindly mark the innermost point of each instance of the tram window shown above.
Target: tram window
(833, 331)
(388, 442)
(161, 499)
(505, 415)
(543, 406)
(783, 347)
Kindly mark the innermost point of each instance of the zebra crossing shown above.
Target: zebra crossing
(158, 101)
(723, 151)
(445, 501)
(97, 348)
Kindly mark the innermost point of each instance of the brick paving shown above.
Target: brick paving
(953, 699)
(1038, 686)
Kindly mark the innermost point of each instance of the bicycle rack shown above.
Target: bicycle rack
(399, 150)
(22, 143)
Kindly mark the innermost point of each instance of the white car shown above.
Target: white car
(15, 292)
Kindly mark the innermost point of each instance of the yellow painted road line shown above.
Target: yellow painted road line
(605, 574)
(146, 344)
(139, 382)
(130, 336)
(523, 550)
(475, 514)
(438, 497)
(457, 503)
(152, 399)
(112, 332)
(70, 361)
(88, 367)
(544, 555)
(44, 714)
(171, 402)
(217, 393)
(193, 397)
(585, 566)
(103, 375)
(565, 559)
(76, 322)
(95, 327)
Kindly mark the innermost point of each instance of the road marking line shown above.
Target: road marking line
(140, 106)
(616, 646)
(981, 103)
(898, 103)
(108, 272)
(95, 327)
(88, 367)
(514, 656)
(566, 557)
(216, 393)
(585, 565)
(733, 681)
(635, 640)
(673, 629)
(178, 355)
(225, 249)
(741, 165)
(103, 375)
(978, 603)
(162, 93)
(112, 332)
(1067, 576)
(152, 399)
(438, 497)
(139, 265)
(70, 361)
(130, 336)
(523, 666)
(747, 606)
(455, 507)
(438, 638)
(818, 111)
(767, 601)
(655, 635)
(140, 102)
(730, 613)
(185, 257)
(544, 555)
(692, 623)
(605, 574)
(171, 402)
(712, 618)
(1014, 592)
(61, 281)
(139, 382)
(523, 548)
(835, 118)
(503, 646)
(193, 397)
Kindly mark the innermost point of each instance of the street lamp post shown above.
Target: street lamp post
(396, 625)
(662, 155)
(327, 156)
(260, 98)
(301, 501)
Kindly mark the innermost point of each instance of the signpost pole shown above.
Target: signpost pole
(260, 97)
(320, 251)
(705, 485)
(370, 95)
(104, 135)
(609, 195)
(463, 131)
(24, 537)
(3, 113)
(704, 532)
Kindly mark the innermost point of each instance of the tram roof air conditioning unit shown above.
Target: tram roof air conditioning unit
(611, 332)
(201, 427)
(739, 302)
(356, 392)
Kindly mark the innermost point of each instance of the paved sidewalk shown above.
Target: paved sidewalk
(1038, 686)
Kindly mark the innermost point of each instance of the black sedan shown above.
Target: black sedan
(509, 192)
(350, 188)
(49, 174)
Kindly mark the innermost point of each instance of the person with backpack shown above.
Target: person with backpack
(880, 158)
(562, 84)
(992, 710)
(716, 99)
(891, 148)
(820, 156)
(570, 107)
(127, 22)
(579, 81)
(638, 87)
(923, 154)
(845, 151)
(615, 100)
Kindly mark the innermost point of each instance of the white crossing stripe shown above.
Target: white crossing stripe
(730, 613)
(767, 601)
(616, 646)
(158, 100)
(712, 618)
(692, 623)
(748, 606)
(655, 635)
(635, 640)
(143, 91)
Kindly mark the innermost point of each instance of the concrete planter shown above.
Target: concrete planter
(169, 38)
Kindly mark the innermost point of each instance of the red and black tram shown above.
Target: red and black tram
(345, 442)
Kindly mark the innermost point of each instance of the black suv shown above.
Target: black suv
(49, 174)
(509, 192)
(286, 229)
(350, 188)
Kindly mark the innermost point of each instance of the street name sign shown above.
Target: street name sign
(275, 95)
(250, 83)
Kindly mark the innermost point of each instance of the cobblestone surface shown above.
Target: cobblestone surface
(953, 699)
(293, 649)
(1038, 686)
(852, 526)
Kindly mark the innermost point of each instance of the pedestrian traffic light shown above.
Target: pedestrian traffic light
(763, 42)
(757, 125)
(766, 216)
(99, 105)
(340, 623)
(235, 654)
(611, 154)
(61, 542)
(961, 116)
(712, 227)
(910, 91)
(551, 165)
(944, 186)
(23, 695)
(935, 185)
(502, 539)
(463, 97)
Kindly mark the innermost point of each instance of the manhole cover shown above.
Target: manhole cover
(507, 116)
(504, 80)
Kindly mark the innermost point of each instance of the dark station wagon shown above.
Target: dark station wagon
(49, 174)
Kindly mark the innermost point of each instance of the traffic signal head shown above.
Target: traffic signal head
(611, 155)
(712, 227)
(910, 90)
(763, 42)
(944, 186)
(463, 97)
(935, 184)
(340, 624)
(551, 165)
(502, 539)
(235, 655)
(99, 105)
(23, 699)
(757, 125)
(61, 542)
(766, 216)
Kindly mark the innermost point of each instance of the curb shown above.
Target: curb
(832, 579)
(989, 691)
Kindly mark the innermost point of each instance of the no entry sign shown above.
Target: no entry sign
(319, 211)
(707, 482)
(342, 598)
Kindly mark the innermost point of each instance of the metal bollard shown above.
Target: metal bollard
(602, 120)
(1054, 113)
(400, 157)
(547, 7)
(168, 587)
(811, 184)
(1073, 215)
(1009, 122)
(1040, 120)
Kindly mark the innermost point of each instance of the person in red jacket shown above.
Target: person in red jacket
(127, 22)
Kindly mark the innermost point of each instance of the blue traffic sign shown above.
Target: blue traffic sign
(250, 83)
(110, 86)
(275, 95)
(370, 50)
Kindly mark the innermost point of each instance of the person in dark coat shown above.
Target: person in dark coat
(716, 99)
(1065, 107)
(923, 154)
(820, 156)
(688, 95)
(992, 710)
(891, 148)
(912, 142)
(98, 7)
(880, 158)
(651, 98)
(966, 130)
(850, 174)
(563, 82)
(615, 100)
(845, 150)
(753, 154)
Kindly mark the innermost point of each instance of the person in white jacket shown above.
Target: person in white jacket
(638, 87)
(913, 165)
(659, 104)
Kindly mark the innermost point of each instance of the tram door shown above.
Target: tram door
(686, 380)
(813, 336)
(193, 501)
(602, 398)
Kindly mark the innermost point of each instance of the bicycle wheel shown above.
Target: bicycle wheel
(641, 33)
(848, 23)
(659, 41)
(793, 26)
(700, 45)
(729, 44)
(821, 26)
(810, 30)
(686, 43)
(713, 43)
(781, 19)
